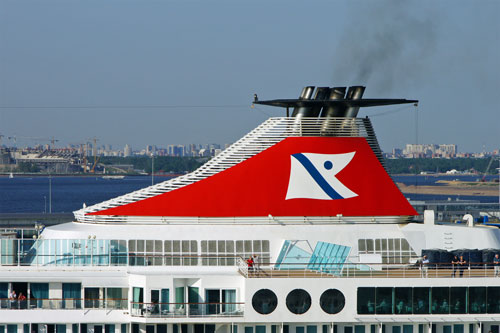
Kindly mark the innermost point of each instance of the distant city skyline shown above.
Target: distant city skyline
(153, 72)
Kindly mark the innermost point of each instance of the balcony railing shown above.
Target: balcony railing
(62, 304)
(186, 310)
(367, 270)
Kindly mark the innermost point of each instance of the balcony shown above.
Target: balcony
(63, 304)
(187, 310)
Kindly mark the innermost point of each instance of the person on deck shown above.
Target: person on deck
(454, 263)
(462, 263)
(496, 264)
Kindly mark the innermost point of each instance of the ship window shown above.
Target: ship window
(332, 301)
(369, 245)
(248, 247)
(361, 245)
(221, 246)
(391, 244)
(383, 299)
(140, 245)
(176, 246)
(264, 301)
(458, 299)
(477, 299)
(421, 300)
(239, 247)
(265, 246)
(359, 329)
(405, 246)
(298, 301)
(440, 300)
(403, 300)
(384, 244)
(149, 245)
(378, 245)
(366, 300)
(257, 246)
(493, 305)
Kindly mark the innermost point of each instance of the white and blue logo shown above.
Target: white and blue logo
(312, 176)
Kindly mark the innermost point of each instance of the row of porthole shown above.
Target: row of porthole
(298, 301)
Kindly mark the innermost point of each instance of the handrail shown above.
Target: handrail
(369, 270)
(187, 310)
(63, 303)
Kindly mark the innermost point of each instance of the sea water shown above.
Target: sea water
(32, 194)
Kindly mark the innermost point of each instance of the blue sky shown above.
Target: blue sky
(210, 57)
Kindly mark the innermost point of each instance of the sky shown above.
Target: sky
(75, 70)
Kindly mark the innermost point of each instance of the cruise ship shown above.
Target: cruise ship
(335, 247)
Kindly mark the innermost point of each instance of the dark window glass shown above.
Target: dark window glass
(161, 328)
(383, 297)
(396, 329)
(332, 301)
(421, 300)
(264, 301)
(298, 301)
(493, 305)
(458, 299)
(359, 329)
(407, 328)
(440, 300)
(477, 299)
(366, 300)
(260, 329)
(458, 328)
(325, 329)
(311, 329)
(403, 301)
(447, 329)
(348, 329)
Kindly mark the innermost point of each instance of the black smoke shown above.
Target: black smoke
(386, 43)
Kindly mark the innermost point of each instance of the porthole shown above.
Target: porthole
(298, 301)
(332, 301)
(264, 301)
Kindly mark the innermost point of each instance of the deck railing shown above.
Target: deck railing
(186, 310)
(62, 304)
(368, 270)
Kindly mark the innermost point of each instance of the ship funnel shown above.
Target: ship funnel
(301, 111)
(334, 111)
(354, 92)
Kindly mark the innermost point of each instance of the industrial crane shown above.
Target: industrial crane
(483, 179)
(52, 140)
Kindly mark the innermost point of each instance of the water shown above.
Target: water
(31, 194)
(421, 180)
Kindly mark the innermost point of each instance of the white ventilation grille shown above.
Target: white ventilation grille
(264, 136)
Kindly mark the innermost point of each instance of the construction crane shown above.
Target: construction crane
(52, 140)
(483, 179)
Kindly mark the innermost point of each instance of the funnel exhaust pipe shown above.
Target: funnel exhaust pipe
(354, 92)
(302, 111)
